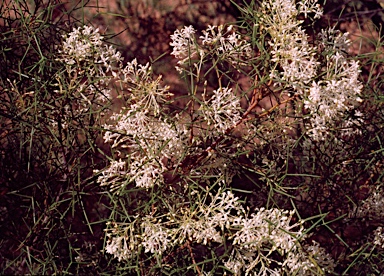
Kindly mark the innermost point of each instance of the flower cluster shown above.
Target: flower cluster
(154, 142)
(379, 237)
(122, 241)
(90, 67)
(372, 207)
(203, 225)
(206, 223)
(290, 47)
(337, 90)
(149, 141)
(83, 50)
(337, 93)
(183, 43)
(146, 92)
(216, 42)
(140, 131)
(177, 154)
(81, 44)
(226, 44)
(332, 40)
(271, 230)
(155, 237)
(254, 238)
(222, 110)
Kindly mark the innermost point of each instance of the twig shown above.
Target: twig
(276, 106)
(193, 259)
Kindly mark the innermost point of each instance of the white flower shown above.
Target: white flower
(310, 7)
(86, 44)
(290, 47)
(267, 231)
(222, 111)
(205, 231)
(145, 91)
(149, 141)
(237, 261)
(127, 126)
(329, 98)
(267, 226)
(204, 224)
(90, 67)
(154, 238)
(80, 44)
(311, 261)
(146, 172)
(226, 44)
(118, 247)
(379, 237)
(183, 43)
(216, 42)
(334, 41)
(122, 241)
(113, 173)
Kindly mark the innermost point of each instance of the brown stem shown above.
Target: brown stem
(276, 106)
(193, 258)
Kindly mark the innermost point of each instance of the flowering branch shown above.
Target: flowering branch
(175, 161)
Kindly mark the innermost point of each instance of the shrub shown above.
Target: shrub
(260, 166)
(302, 94)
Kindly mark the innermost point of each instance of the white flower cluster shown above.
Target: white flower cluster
(226, 44)
(371, 208)
(115, 171)
(216, 41)
(202, 225)
(254, 238)
(146, 92)
(184, 45)
(268, 231)
(337, 90)
(290, 46)
(379, 237)
(255, 232)
(337, 93)
(84, 48)
(140, 130)
(154, 142)
(222, 110)
(310, 7)
(332, 40)
(90, 65)
(118, 247)
(122, 243)
(150, 142)
(208, 221)
(155, 238)
(148, 136)
(81, 44)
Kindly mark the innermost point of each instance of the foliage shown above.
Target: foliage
(260, 166)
